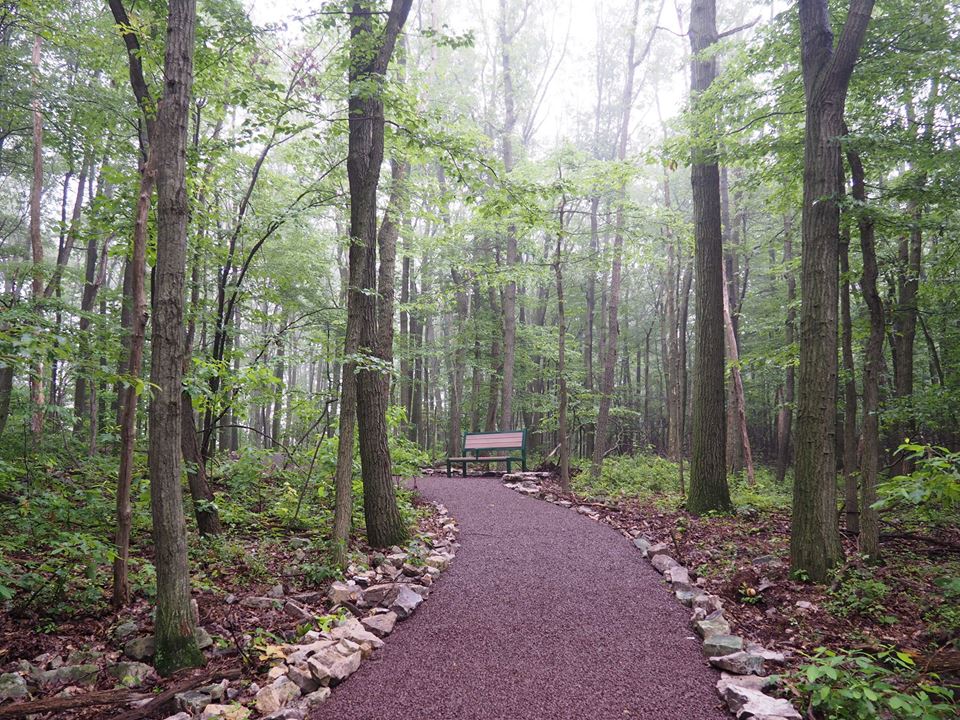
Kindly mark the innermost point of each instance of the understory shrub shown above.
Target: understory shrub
(886, 685)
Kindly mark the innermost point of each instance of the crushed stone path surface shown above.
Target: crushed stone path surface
(544, 614)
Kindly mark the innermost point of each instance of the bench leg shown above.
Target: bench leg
(524, 464)
(464, 469)
(508, 467)
(448, 469)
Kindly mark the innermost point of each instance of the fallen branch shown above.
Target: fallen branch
(117, 697)
(167, 695)
(54, 704)
(920, 538)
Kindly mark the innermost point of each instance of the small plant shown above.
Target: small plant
(856, 685)
(749, 595)
(858, 592)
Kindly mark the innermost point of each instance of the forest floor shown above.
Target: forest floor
(53, 631)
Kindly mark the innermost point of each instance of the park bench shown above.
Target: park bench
(485, 442)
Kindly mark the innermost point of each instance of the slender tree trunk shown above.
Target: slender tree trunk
(610, 355)
(176, 646)
(869, 538)
(736, 382)
(851, 504)
(561, 362)
(785, 414)
(37, 400)
(708, 472)
(814, 541)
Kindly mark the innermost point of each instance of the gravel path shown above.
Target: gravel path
(544, 615)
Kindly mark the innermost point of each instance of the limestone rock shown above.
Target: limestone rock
(380, 624)
(291, 713)
(739, 663)
(718, 645)
(663, 562)
(438, 560)
(275, 695)
(12, 687)
(301, 675)
(180, 716)
(69, 675)
(352, 630)
(317, 697)
(333, 666)
(383, 594)
(297, 611)
(715, 624)
(677, 575)
(341, 592)
(203, 638)
(751, 682)
(131, 674)
(224, 712)
(124, 630)
(747, 703)
(192, 701)
(406, 602)
(657, 549)
(140, 648)
(642, 544)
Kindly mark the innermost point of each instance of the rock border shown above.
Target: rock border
(743, 664)
(302, 675)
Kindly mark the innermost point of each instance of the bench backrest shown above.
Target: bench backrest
(509, 440)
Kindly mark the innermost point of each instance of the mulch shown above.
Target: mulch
(543, 614)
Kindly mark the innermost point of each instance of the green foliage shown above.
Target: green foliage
(858, 592)
(933, 487)
(856, 685)
(648, 477)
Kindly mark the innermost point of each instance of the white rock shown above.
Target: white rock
(747, 703)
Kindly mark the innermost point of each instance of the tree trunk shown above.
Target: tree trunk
(736, 394)
(814, 542)
(176, 646)
(561, 362)
(851, 505)
(785, 414)
(37, 400)
(708, 473)
(869, 538)
(610, 354)
(368, 65)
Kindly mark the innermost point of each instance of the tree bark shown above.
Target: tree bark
(708, 473)
(561, 360)
(851, 503)
(37, 400)
(814, 542)
(736, 394)
(600, 440)
(370, 53)
(869, 538)
(176, 646)
(785, 414)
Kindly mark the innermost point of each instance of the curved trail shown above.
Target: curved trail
(544, 614)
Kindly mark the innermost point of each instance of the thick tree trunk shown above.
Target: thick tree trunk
(814, 542)
(368, 65)
(176, 646)
(869, 538)
(708, 475)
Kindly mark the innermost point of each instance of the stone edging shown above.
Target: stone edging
(302, 675)
(743, 664)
